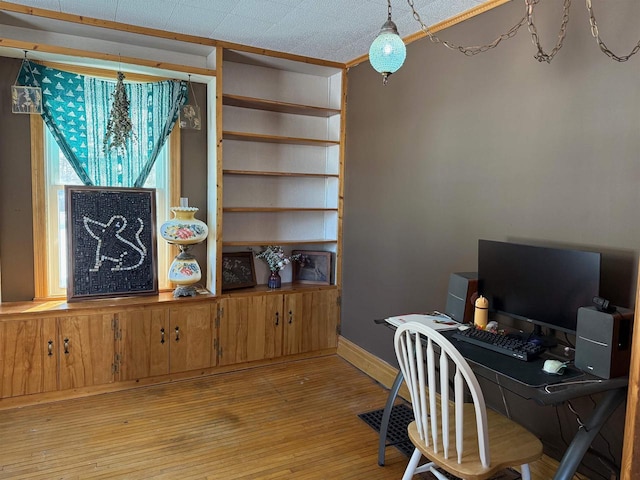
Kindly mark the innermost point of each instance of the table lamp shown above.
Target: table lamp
(184, 230)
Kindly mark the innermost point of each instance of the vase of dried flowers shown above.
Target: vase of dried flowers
(274, 280)
(276, 260)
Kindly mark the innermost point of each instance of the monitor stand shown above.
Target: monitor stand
(546, 341)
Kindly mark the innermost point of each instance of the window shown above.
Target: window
(51, 172)
(58, 173)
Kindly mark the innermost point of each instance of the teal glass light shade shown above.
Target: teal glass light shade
(387, 52)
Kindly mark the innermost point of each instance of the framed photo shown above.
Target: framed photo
(190, 117)
(111, 240)
(237, 270)
(312, 267)
(26, 99)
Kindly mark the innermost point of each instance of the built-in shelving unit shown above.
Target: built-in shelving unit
(281, 155)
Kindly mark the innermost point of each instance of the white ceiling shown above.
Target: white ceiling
(335, 30)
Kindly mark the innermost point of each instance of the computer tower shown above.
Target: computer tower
(603, 341)
(463, 287)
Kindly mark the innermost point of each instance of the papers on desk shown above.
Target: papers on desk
(437, 322)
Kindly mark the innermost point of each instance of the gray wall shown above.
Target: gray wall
(495, 146)
(16, 231)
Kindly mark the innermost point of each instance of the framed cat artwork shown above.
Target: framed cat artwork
(111, 240)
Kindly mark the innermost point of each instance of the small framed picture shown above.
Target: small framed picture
(312, 267)
(26, 99)
(237, 270)
(190, 117)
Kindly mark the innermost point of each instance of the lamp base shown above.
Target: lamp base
(185, 291)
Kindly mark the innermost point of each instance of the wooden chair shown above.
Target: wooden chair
(464, 439)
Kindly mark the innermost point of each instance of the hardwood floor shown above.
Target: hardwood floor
(295, 420)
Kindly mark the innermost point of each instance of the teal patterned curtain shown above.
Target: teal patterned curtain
(76, 109)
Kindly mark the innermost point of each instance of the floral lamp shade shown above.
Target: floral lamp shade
(184, 228)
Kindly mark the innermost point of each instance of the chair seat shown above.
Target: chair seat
(510, 445)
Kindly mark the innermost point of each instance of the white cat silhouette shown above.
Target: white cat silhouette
(112, 246)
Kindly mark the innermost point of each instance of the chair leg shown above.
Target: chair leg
(525, 473)
(413, 463)
(437, 473)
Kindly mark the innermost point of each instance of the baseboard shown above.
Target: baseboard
(373, 366)
(369, 364)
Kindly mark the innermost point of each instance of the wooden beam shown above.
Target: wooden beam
(630, 465)
(94, 22)
(75, 52)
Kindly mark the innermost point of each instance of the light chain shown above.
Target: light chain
(601, 44)
(541, 56)
(528, 19)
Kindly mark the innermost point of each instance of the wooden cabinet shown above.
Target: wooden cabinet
(281, 155)
(258, 327)
(192, 338)
(65, 353)
(250, 328)
(28, 357)
(42, 355)
(311, 321)
(161, 340)
(144, 342)
(86, 350)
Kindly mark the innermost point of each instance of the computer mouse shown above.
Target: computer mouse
(555, 367)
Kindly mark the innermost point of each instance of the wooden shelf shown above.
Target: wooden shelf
(276, 209)
(279, 107)
(256, 173)
(262, 289)
(260, 243)
(259, 137)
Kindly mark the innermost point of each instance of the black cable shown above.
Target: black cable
(566, 444)
(610, 464)
(586, 467)
(566, 337)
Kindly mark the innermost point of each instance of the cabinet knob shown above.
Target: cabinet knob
(290, 316)
(50, 348)
(162, 335)
(277, 318)
(177, 334)
(66, 346)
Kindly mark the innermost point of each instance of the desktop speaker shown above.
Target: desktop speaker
(463, 287)
(603, 341)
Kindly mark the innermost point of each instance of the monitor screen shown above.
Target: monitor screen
(542, 285)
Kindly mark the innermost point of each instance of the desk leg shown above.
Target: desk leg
(583, 438)
(386, 415)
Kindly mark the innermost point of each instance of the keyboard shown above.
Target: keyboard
(513, 347)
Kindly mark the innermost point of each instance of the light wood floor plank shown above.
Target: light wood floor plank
(288, 421)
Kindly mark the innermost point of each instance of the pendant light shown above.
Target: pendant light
(388, 51)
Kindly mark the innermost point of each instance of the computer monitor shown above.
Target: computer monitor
(542, 285)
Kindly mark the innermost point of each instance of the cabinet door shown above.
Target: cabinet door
(144, 343)
(311, 321)
(87, 350)
(191, 338)
(250, 328)
(28, 357)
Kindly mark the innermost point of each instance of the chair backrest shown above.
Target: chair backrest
(415, 349)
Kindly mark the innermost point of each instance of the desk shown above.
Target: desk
(527, 380)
